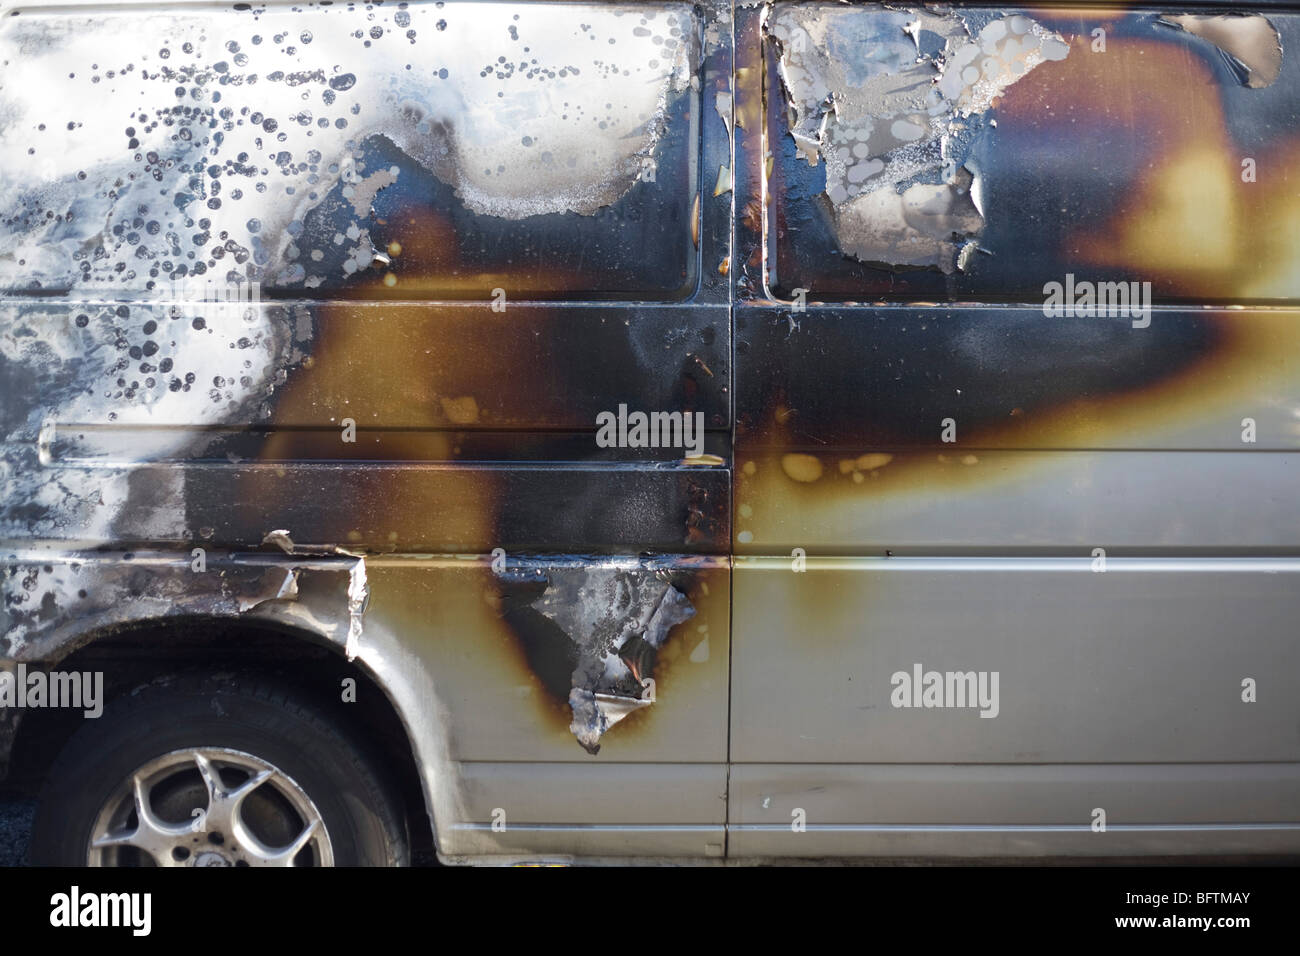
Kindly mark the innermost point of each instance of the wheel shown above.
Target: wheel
(201, 772)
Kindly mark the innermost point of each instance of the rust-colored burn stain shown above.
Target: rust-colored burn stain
(506, 671)
(786, 479)
(363, 367)
(576, 631)
(1151, 187)
(786, 455)
(1122, 165)
(1219, 356)
(750, 138)
(437, 384)
(562, 255)
(369, 365)
(1190, 220)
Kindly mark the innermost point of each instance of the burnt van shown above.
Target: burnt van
(664, 431)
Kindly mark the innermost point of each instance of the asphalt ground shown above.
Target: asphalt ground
(15, 829)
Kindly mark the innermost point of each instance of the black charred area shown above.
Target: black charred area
(1035, 195)
(897, 372)
(638, 247)
(550, 653)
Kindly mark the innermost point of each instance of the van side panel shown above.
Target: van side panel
(1012, 578)
(338, 297)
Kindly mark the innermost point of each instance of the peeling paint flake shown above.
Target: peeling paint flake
(362, 193)
(889, 102)
(358, 595)
(358, 599)
(1248, 42)
(280, 538)
(44, 594)
(618, 616)
(275, 584)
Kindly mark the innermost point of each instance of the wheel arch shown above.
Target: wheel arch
(135, 653)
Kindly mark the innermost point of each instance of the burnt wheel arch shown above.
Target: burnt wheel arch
(147, 652)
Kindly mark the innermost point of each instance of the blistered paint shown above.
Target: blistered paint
(202, 155)
(134, 364)
(618, 615)
(198, 141)
(52, 600)
(893, 121)
(358, 598)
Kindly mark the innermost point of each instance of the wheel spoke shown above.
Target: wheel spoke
(158, 831)
(214, 815)
(229, 838)
(262, 855)
(211, 779)
(237, 795)
(152, 835)
(126, 838)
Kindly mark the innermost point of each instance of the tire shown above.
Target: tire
(192, 744)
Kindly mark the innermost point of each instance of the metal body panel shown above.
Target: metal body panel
(621, 845)
(405, 390)
(501, 669)
(644, 795)
(991, 810)
(1026, 795)
(915, 843)
(1025, 502)
(563, 210)
(1140, 664)
(1047, 151)
(932, 465)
